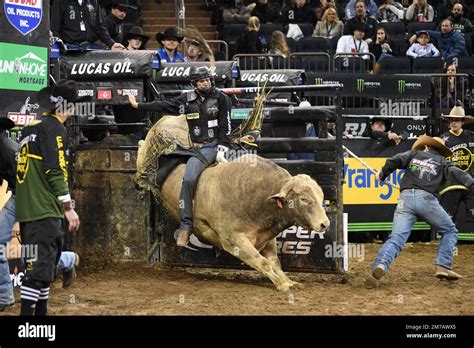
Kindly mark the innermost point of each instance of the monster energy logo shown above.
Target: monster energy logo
(360, 85)
(401, 86)
(318, 81)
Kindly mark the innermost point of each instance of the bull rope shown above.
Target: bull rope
(365, 164)
(452, 188)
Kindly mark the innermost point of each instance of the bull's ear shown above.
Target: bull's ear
(280, 200)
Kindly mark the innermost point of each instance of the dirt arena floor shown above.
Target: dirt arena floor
(136, 289)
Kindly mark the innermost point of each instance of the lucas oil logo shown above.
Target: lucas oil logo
(24, 15)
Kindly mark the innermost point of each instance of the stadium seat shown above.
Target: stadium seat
(395, 29)
(231, 32)
(313, 44)
(395, 65)
(306, 28)
(350, 65)
(413, 27)
(427, 65)
(466, 65)
(291, 44)
(468, 40)
(401, 44)
(311, 63)
(267, 29)
(332, 45)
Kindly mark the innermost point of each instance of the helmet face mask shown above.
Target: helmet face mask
(198, 74)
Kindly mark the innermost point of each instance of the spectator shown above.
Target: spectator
(446, 8)
(238, 14)
(300, 12)
(460, 24)
(419, 11)
(114, 20)
(354, 43)
(452, 88)
(369, 23)
(265, 12)
(423, 48)
(79, 23)
(391, 11)
(250, 41)
(136, 39)
(382, 47)
(450, 43)
(379, 128)
(169, 41)
(324, 5)
(329, 26)
(195, 53)
(279, 45)
(370, 6)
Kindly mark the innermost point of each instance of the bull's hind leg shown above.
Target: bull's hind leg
(242, 248)
(271, 254)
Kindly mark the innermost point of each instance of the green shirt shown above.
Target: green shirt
(42, 170)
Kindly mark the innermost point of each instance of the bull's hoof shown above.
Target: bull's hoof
(284, 287)
(296, 285)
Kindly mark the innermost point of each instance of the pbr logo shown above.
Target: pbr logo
(24, 15)
(25, 115)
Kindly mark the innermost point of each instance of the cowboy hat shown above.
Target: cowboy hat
(136, 31)
(63, 91)
(121, 3)
(434, 142)
(6, 123)
(169, 33)
(458, 113)
(386, 121)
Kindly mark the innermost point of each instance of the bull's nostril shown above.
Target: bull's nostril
(323, 226)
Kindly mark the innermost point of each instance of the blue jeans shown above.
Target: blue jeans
(7, 220)
(194, 168)
(414, 204)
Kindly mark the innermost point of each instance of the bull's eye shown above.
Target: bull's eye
(306, 200)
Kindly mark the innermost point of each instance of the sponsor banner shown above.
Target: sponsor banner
(24, 15)
(414, 128)
(23, 68)
(270, 77)
(361, 185)
(106, 65)
(21, 107)
(111, 92)
(179, 72)
(399, 86)
(298, 249)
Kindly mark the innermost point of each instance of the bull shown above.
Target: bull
(241, 206)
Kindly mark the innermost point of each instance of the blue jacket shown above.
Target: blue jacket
(450, 45)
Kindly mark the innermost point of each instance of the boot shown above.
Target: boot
(444, 273)
(377, 68)
(70, 276)
(183, 237)
(378, 272)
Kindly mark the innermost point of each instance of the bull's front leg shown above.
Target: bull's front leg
(271, 254)
(241, 247)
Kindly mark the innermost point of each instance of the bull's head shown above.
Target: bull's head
(303, 198)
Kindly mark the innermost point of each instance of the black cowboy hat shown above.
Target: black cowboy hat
(169, 33)
(6, 123)
(62, 91)
(387, 121)
(136, 31)
(121, 3)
